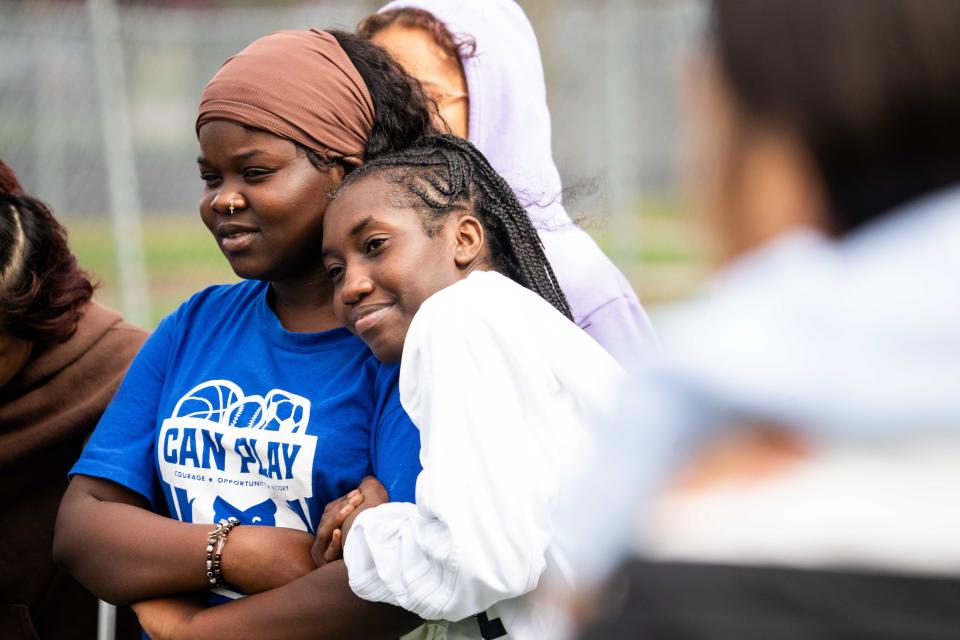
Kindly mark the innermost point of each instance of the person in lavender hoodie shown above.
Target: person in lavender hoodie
(481, 64)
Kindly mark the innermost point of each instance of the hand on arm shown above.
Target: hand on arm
(338, 517)
(318, 605)
(328, 545)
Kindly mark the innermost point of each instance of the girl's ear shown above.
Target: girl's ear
(469, 236)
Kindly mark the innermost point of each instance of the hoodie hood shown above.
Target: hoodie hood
(509, 121)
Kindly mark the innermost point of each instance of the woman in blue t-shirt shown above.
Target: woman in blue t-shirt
(251, 404)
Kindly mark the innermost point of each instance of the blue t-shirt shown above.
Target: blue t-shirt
(225, 413)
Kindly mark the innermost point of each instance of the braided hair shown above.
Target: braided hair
(444, 173)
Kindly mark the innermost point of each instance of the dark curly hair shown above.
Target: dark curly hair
(42, 288)
(444, 173)
(402, 110)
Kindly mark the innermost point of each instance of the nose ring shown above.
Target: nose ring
(231, 208)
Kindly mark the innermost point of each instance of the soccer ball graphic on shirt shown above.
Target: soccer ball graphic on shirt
(224, 452)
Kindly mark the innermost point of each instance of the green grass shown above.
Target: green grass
(182, 258)
(663, 263)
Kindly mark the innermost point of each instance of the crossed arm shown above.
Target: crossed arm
(114, 545)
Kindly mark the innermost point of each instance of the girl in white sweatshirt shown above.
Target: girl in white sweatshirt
(437, 266)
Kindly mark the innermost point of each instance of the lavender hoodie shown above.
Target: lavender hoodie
(510, 123)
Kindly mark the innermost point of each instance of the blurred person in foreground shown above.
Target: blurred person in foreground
(480, 62)
(791, 468)
(62, 356)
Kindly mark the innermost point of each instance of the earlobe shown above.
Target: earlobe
(470, 241)
(339, 170)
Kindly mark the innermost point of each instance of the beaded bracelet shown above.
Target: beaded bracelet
(216, 539)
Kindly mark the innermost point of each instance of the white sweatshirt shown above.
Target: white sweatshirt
(504, 390)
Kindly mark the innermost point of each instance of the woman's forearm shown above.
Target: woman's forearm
(115, 546)
(123, 552)
(318, 606)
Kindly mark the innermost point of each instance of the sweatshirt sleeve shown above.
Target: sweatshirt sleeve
(480, 526)
(622, 327)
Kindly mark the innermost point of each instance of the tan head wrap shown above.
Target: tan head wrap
(299, 85)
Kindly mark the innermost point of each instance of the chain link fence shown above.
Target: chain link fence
(610, 68)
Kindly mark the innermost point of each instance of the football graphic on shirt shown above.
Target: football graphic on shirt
(225, 452)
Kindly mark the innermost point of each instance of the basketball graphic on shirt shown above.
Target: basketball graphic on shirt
(224, 402)
(208, 400)
(224, 451)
